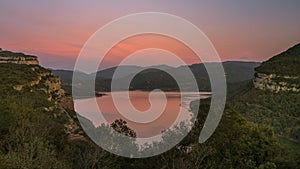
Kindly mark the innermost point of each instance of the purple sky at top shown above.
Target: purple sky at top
(55, 30)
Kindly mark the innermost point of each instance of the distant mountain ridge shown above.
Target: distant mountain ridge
(237, 73)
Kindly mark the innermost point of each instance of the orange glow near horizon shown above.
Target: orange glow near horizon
(150, 41)
(56, 31)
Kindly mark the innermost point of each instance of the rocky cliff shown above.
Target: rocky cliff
(276, 83)
(280, 73)
(22, 75)
(17, 58)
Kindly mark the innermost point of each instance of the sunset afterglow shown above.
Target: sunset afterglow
(56, 30)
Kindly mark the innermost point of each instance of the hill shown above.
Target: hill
(286, 63)
(37, 119)
(237, 74)
(18, 58)
(273, 98)
(281, 72)
(39, 129)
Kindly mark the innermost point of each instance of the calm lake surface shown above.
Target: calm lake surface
(140, 101)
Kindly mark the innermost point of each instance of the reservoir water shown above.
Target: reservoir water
(140, 100)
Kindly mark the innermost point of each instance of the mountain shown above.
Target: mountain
(37, 118)
(29, 78)
(108, 73)
(66, 77)
(39, 129)
(237, 74)
(281, 72)
(18, 58)
(273, 99)
(285, 64)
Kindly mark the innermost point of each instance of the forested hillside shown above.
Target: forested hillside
(285, 63)
(39, 129)
(273, 99)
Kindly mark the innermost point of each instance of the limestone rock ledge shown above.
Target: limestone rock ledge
(276, 83)
(37, 78)
(17, 58)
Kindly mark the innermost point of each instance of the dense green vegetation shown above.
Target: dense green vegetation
(16, 75)
(33, 137)
(235, 144)
(286, 63)
(259, 129)
(281, 111)
(150, 81)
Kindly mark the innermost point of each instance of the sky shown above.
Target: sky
(56, 30)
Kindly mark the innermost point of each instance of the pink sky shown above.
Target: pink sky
(55, 31)
(150, 41)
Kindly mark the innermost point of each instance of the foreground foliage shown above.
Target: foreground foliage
(34, 137)
(281, 111)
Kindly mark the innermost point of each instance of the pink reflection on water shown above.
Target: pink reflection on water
(139, 100)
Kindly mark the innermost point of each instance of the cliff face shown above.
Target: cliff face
(276, 83)
(280, 73)
(17, 58)
(47, 82)
(22, 75)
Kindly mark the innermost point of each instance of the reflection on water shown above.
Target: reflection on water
(140, 100)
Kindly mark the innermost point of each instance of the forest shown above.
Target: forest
(33, 137)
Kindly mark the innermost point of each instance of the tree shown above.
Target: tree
(120, 126)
